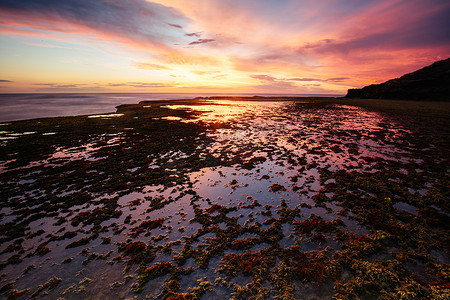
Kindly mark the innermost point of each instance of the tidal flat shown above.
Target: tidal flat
(219, 198)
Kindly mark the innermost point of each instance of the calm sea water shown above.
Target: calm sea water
(29, 106)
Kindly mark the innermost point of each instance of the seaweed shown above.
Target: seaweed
(49, 285)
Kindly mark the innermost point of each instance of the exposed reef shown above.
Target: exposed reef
(220, 199)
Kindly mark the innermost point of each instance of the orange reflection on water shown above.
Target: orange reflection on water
(224, 110)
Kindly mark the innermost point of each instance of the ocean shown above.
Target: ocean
(15, 107)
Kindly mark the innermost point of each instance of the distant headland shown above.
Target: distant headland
(429, 83)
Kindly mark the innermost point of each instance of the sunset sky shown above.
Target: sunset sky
(226, 46)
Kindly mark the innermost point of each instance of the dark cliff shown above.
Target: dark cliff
(429, 83)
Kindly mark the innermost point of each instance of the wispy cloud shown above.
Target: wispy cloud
(304, 79)
(150, 66)
(59, 86)
(194, 34)
(201, 41)
(264, 78)
(140, 85)
(270, 83)
(4, 80)
(335, 79)
(98, 86)
(175, 26)
(315, 85)
(46, 45)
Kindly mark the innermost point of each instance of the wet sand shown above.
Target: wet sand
(233, 197)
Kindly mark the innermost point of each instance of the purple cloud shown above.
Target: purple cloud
(305, 79)
(337, 79)
(175, 25)
(193, 34)
(201, 41)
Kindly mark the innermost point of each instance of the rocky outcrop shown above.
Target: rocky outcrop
(429, 83)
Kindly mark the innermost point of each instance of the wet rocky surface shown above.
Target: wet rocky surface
(218, 199)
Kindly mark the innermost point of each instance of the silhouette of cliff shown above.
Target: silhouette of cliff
(429, 83)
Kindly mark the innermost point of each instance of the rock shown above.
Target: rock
(429, 83)
(277, 187)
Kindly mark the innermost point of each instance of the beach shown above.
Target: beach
(222, 197)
